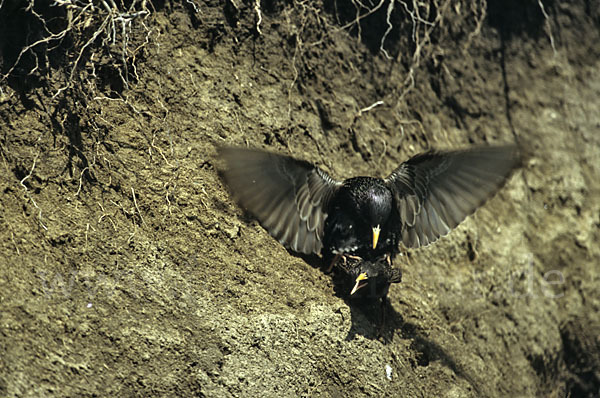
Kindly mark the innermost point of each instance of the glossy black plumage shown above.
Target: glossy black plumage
(368, 279)
(422, 200)
(358, 205)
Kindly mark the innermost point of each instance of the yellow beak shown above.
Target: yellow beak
(361, 277)
(376, 231)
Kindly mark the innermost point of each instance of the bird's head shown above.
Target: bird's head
(378, 274)
(366, 272)
(376, 209)
(361, 281)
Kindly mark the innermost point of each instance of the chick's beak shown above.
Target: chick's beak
(376, 231)
(362, 277)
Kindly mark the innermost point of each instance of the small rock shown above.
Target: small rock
(388, 371)
(232, 231)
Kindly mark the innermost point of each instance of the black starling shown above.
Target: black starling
(422, 200)
(369, 278)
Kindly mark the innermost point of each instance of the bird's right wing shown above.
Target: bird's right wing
(288, 196)
(436, 191)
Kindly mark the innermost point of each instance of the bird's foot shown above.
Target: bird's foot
(350, 256)
(344, 258)
(388, 258)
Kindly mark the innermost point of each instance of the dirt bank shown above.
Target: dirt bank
(126, 269)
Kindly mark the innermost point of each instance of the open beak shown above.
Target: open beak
(376, 231)
(360, 278)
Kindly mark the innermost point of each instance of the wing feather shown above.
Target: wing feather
(436, 191)
(288, 196)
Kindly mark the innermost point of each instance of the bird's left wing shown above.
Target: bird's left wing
(436, 191)
(288, 196)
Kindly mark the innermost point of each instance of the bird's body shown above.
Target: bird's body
(366, 217)
(360, 204)
(369, 279)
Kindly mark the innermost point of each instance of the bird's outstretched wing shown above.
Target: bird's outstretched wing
(288, 196)
(436, 191)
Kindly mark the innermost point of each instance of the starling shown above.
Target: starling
(310, 212)
(369, 278)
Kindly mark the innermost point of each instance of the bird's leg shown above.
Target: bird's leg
(334, 262)
(388, 258)
(344, 258)
(382, 315)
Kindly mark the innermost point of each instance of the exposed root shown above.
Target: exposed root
(548, 27)
(368, 108)
(136, 206)
(258, 16)
(390, 9)
(410, 25)
(100, 46)
(22, 182)
(107, 21)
